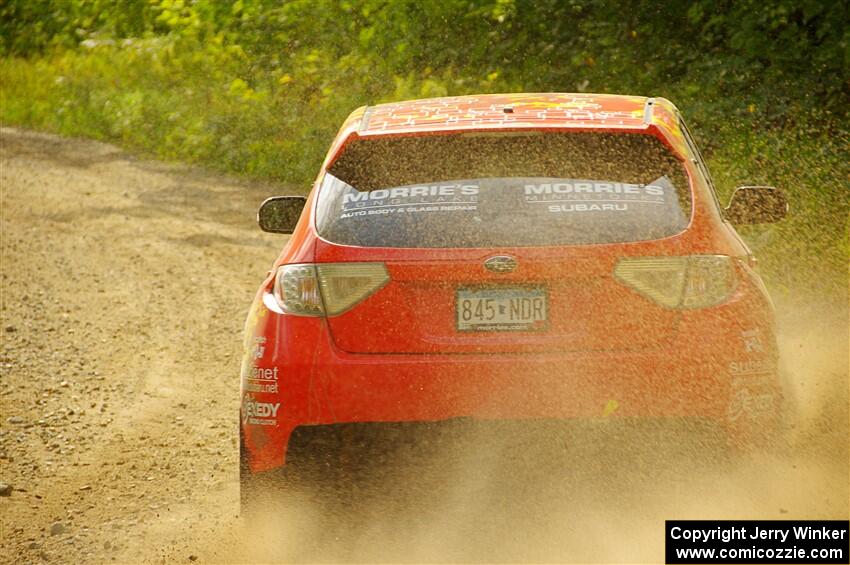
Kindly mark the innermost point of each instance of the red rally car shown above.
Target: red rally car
(509, 257)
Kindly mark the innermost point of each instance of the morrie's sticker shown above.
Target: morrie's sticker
(406, 192)
(593, 196)
(592, 187)
(448, 197)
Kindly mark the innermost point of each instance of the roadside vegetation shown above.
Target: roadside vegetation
(259, 87)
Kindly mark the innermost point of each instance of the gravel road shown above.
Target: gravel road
(125, 284)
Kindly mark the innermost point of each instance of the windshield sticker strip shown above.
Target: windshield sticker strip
(588, 201)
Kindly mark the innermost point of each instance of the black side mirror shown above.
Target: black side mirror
(279, 214)
(756, 205)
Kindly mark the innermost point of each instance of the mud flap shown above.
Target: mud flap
(753, 419)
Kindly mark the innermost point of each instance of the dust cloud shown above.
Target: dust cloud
(497, 492)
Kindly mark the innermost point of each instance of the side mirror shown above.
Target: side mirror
(279, 214)
(756, 205)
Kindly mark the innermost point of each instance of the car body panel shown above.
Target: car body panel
(635, 360)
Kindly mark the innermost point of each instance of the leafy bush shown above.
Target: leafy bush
(259, 87)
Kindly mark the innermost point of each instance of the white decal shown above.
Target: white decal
(263, 380)
(261, 374)
(259, 413)
(259, 347)
(595, 196)
(752, 341)
(587, 207)
(754, 367)
(411, 192)
(590, 187)
(433, 198)
(745, 402)
(267, 388)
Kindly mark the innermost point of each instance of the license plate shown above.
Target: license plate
(501, 309)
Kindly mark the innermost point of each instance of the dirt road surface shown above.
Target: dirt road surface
(125, 284)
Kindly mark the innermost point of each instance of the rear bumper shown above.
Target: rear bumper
(400, 388)
(329, 462)
(711, 373)
(384, 443)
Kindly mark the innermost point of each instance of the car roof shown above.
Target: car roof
(520, 111)
(505, 111)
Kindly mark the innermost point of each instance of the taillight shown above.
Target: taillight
(327, 288)
(296, 288)
(695, 281)
(710, 281)
(344, 285)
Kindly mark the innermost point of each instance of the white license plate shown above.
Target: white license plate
(501, 309)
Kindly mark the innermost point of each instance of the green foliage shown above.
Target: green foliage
(260, 87)
(30, 27)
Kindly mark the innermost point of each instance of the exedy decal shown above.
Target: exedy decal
(745, 402)
(259, 413)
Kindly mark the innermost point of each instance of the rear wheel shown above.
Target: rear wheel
(247, 481)
(790, 411)
(312, 481)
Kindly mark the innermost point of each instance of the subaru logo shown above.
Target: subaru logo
(500, 264)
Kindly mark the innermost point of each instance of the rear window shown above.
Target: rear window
(503, 190)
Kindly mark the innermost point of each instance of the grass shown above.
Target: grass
(154, 97)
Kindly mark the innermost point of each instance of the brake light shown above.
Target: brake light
(296, 288)
(695, 281)
(344, 285)
(327, 288)
(710, 281)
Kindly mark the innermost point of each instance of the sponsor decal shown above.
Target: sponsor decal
(751, 367)
(259, 350)
(263, 374)
(745, 401)
(262, 380)
(751, 340)
(561, 195)
(411, 199)
(259, 379)
(407, 192)
(588, 207)
(259, 413)
(594, 196)
(593, 187)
